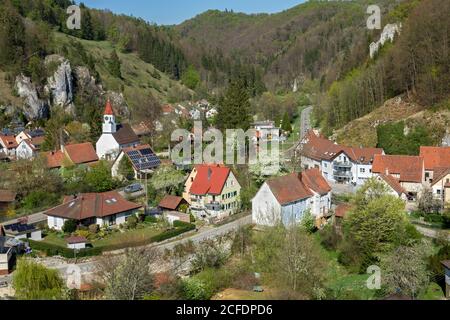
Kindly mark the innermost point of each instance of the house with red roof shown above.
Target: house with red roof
(73, 154)
(436, 158)
(212, 191)
(286, 199)
(338, 164)
(8, 145)
(408, 171)
(440, 185)
(103, 209)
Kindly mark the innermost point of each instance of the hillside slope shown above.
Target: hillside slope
(363, 131)
(138, 76)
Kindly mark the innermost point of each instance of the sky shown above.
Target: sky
(177, 11)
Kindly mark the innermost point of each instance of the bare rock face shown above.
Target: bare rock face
(34, 108)
(119, 104)
(60, 85)
(85, 81)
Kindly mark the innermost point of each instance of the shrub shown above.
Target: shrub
(69, 226)
(308, 222)
(151, 219)
(173, 233)
(446, 220)
(192, 218)
(196, 289)
(82, 233)
(329, 237)
(180, 224)
(94, 228)
(132, 222)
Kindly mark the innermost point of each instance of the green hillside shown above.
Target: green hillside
(137, 75)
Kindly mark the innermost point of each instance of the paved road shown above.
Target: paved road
(305, 126)
(305, 121)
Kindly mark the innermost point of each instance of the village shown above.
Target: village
(196, 199)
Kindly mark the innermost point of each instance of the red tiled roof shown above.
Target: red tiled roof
(168, 108)
(210, 179)
(393, 183)
(342, 210)
(410, 168)
(439, 174)
(9, 142)
(435, 157)
(76, 240)
(294, 187)
(77, 153)
(319, 148)
(170, 202)
(81, 153)
(54, 159)
(314, 180)
(89, 205)
(7, 196)
(108, 109)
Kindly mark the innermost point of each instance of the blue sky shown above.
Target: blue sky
(176, 11)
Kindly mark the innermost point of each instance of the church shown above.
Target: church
(115, 136)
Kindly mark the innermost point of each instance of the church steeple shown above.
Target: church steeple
(109, 120)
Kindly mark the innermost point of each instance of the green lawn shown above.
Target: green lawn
(142, 233)
(434, 292)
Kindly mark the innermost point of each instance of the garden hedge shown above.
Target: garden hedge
(55, 250)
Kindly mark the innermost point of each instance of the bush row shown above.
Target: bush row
(180, 228)
(55, 250)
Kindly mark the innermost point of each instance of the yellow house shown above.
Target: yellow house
(212, 191)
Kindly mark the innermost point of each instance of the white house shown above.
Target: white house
(266, 131)
(115, 136)
(211, 113)
(338, 164)
(8, 145)
(142, 159)
(286, 199)
(29, 148)
(23, 230)
(76, 243)
(103, 209)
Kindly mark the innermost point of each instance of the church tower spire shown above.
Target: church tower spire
(109, 120)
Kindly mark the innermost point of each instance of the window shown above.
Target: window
(325, 165)
(438, 191)
(362, 170)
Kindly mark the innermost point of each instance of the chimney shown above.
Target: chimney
(209, 174)
(387, 171)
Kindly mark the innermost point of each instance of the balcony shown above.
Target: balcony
(342, 165)
(213, 206)
(341, 174)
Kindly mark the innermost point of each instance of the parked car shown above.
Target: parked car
(135, 187)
